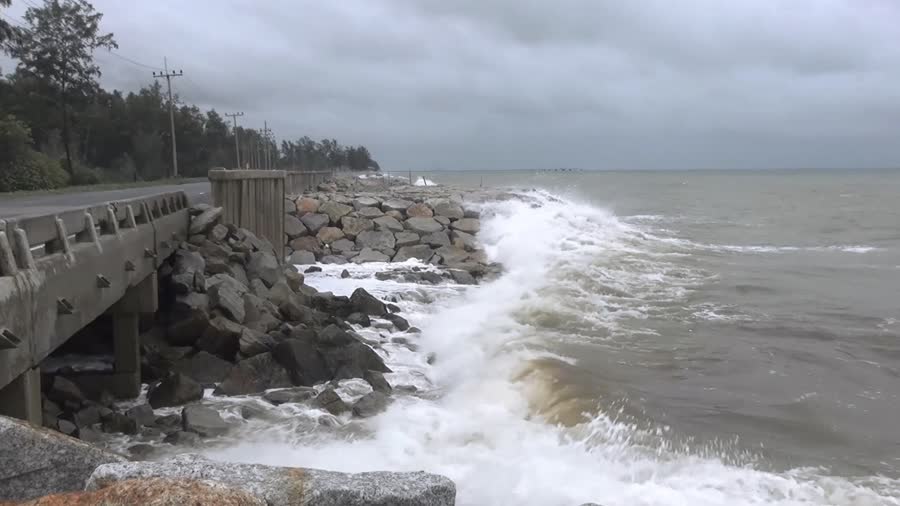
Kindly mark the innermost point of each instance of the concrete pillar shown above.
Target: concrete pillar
(22, 398)
(141, 298)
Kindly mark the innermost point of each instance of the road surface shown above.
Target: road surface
(12, 206)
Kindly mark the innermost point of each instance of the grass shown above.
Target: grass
(103, 187)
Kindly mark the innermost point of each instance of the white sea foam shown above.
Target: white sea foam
(472, 422)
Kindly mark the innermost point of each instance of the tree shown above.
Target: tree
(58, 48)
(6, 29)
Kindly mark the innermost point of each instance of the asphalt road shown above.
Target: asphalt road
(15, 206)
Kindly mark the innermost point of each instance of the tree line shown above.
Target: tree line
(59, 127)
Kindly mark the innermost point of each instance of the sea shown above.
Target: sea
(656, 338)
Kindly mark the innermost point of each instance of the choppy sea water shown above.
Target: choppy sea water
(657, 339)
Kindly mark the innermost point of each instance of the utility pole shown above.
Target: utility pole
(169, 75)
(266, 132)
(237, 151)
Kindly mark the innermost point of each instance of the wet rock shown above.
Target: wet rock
(306, 205)
(290, 395)
(377, 381)
(371, 404)
(117, 422)
(264, 266)
(389, 224)
(280, 486)
(395, 205)
(205, 221)
(333, 259)
(359, 319)
(221, 337)
(35, 461)
(174, 390)
(142, 414)
(354, 226)
(423, 226)
(253, 343)
(302, 258)
(343, 245)
(367, 303)
(467, 225)
(330, 234)
(463, 240)
(294, 228)
(253, 375)
(203, 421)
(293, 278)
(420, 251)
(154, 492)
(63, 390)
(436, 239)
(419, 211)
(361, 202)
(302, 361)
(462, 277)
(452, 255)
(330, 401)
(204, 368)
(345, 274)
(448, 209)
(182, 438)
(335, 211)
(315, 222)
(370, 255)
(397, 320)
(228, 296)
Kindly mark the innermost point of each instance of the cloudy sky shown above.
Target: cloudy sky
(499, 84)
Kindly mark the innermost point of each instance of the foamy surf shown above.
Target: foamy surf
(470, 416)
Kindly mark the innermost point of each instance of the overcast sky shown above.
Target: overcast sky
(527, 84)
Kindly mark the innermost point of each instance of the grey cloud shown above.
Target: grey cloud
(513, 83)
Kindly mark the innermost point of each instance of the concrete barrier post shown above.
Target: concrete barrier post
(22, 398)
(141, 298)
(252, 199)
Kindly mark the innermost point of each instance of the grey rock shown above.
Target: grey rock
(254, 375)
(204, 368)
(117, 422)
(302, 361)
(468, 225)
(388, 223)
(87, 416)
(472, 213)
(174, 390)
(290, 395)
(293, 278)
(218, 233)
(187, 262)
(280, 486)
(436, 239)
(397, 215)
(343, 245)
(443, 220)
(366, 303)
(142, 414)
(452, 255)
(353, 226)
(359, 319)
(308, 243)
(290, 205)
(203, 421)
(370, 255)
(264, 266)
(376, 379)
(253, 342)
(258, 288)
(420, 251)
(198, 208)
(406, 239)
(205, 221)
(363, 202)
(302, 258)
(330, 401)
(315, 221)
(293, 227)
(35, 461)
(182, 438)
(345, 274)
(462, 277)
(65, 391)
(333, 259)
(464, 240)
(228, 295)
(334, 210)
(370, 212)
(395, 205)
(307, 205)
(423, 226)
(371, 404)
(377, 240)
(66, 427)
(397, 320)
(221, 337)
(448, 209)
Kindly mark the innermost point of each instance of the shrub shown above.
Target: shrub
(33, 171)
(84, 175)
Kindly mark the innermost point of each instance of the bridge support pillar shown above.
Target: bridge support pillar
(22, 398)
(141, 298)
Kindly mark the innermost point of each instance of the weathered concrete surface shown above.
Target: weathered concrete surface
(35, 461)
(287, 486)
(154, 492)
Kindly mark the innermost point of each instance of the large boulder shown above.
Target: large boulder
(370, 212)
(423, 226)
(293, 227)
(353, 226)
(227, 294)
(205, 221)
(290, 395)
(369, 255)
(253, 342)
(464, 240)
(315, 221)
(366, 303)
(35, 461)
(421, 251)
(308, 243)
(335, 211)
(155, 492)
(371, 404)
(378, 240)
(406, 239)
(330, 234)
(302, 258)
(204, 368)
(330, 401)
(388, 223)
(254, 375)
(174, 390)
(452, 255)
(263, 265)
(343, 245)
(285, 486)
(467, 225)
(395, 205)
(303, 361)
(221, 337)
(306, 205)
(436, 239)
(362, 202)
(443, 207)
(203, 421)
(419, 211)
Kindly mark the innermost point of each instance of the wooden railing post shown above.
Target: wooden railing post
(252, 199)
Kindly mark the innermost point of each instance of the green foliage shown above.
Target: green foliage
(21, 167)
(85, 175)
